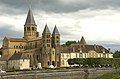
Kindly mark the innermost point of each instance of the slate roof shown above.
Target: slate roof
(18, 56)
(84, 48)
(55, 31)
(46, 29)
(15, 39)
(30, 18)
(82, 41)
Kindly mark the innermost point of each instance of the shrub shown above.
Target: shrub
(95, 62)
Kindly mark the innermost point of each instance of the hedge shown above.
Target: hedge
(96, 62)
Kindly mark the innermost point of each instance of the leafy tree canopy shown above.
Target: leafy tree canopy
(68, 43)
(116, 54)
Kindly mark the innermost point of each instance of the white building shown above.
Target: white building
(19, 62)
(83, 50)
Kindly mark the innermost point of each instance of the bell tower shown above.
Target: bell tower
(30, 27)
(46, 48)
(56, 45)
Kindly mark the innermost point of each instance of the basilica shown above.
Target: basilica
(46, 48)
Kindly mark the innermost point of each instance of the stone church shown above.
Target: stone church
(46, 49)
(43, 49)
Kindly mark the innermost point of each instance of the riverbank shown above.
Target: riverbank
(113, 75)
(78, 73)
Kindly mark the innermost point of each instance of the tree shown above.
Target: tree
(68, 43)
(116, 54)
(96, 62)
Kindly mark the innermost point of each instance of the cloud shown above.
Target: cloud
(7, 31)
(58, 6)
(93, 19)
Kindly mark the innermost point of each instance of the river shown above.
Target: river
(67, 74)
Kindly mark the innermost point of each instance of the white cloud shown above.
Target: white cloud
(98, 25)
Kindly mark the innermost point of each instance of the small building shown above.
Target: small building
(4, 62)
(83, 50)
(19, 61)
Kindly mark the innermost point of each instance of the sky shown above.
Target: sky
(97, 20)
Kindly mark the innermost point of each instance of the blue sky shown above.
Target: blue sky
(97, 20)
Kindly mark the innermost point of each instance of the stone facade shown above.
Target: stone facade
(40, 49)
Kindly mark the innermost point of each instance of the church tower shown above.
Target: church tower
(56, 45)
(82, 41)
(46, 48)
(30, 27)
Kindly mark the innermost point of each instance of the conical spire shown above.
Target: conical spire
(82, 41)
(30, 19)
(55, 31)
(46, 29)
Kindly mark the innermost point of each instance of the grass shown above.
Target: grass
(110, 76)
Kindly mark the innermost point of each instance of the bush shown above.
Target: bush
(96, 62)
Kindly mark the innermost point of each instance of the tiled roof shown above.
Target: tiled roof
(17, 56)
(84, 48)
(15, 39)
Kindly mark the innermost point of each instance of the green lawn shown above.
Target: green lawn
(110, 76)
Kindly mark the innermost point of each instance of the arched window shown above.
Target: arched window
(57, 41)
(48, 45)
(28, 28)
(53, 63)
(48, 63)
(15, 51)
(33, 29)
(57, 37)
(16, 47)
